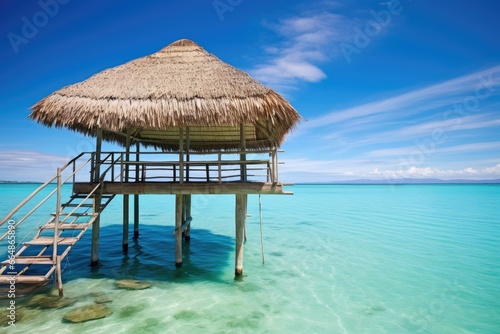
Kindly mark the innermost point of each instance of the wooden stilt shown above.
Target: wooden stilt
(95, 232)
(181, 155)
(178, 230)
(136, 216)
(126, 206)
(126, 199)
(94, 257)
(241, 206)
(187, 210)
(136, 197)
(188, 143)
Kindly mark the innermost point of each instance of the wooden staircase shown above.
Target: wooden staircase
(35, 261)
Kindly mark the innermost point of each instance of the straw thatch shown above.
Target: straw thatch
(181, 85)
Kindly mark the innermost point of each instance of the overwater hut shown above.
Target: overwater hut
(213, 128)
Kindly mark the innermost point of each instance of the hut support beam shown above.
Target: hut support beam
(241, 215)
(126, 198)
(178, 230)
(94, 256)
(243, 157)
(188, 140)
(136, 197)
(181, 155)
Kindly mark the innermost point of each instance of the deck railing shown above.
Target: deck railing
(258, 166)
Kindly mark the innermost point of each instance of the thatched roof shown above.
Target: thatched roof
(181, 85)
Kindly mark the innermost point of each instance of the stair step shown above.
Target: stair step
(47, 241)
(6, 279)
(66, 226)
(75, 214)
(31, 260)
(74, 205)
(85, 196)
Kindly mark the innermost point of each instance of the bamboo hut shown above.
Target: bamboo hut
(187, 104)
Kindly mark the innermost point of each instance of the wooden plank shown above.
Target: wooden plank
(5, 279)
(186, 188)
(74, 214)
(47, 241)
(45, 260)
(82, 226)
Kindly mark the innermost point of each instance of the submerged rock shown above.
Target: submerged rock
(103, 300)
(17, 315)
(96, 294)
(47, 301)
(132, 284)
(370, 310)
(87, 313)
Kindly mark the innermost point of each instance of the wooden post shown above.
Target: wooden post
(95, 230)
(97, 160)
(274, 165)
(181, 155)
(188, 139)
(55, 257)
(126, 199)
(126, 206)
(187, 215)
(178, 230)
(136, 197)
(240, 217)
(243, 156)
(97, 203)
(59, 276)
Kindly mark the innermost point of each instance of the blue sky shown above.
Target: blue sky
(390, 90)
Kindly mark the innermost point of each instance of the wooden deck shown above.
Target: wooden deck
(186, 188)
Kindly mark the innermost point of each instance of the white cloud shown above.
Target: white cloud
(414, 172)
(308, 41)
(474, 87)
(303, 170)
(408, 150)
(29, 165)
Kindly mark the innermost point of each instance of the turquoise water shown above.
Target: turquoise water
(338, 259)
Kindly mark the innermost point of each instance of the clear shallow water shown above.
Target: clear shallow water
(339, 259)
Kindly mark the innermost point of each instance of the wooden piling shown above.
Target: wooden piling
(136, 197)
(126, 199)
(187, 215)
(240, 217)
(126, 206)
(136, 216)
(94, 255)
(94, 258)
(178, 230)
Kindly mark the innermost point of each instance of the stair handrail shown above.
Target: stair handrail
(99, 185)
(36, 191)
